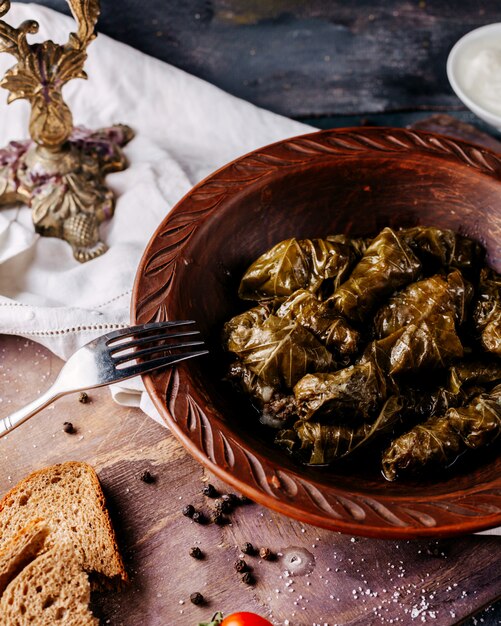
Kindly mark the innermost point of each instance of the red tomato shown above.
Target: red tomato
(245, 619)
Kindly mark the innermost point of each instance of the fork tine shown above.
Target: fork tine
(142, 329)
(135, 343)
(148, 366)
(129, 356)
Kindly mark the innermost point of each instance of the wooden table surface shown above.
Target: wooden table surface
(339, 579)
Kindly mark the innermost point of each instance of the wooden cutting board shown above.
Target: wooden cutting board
(317, 577)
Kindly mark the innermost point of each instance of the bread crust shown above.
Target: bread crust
(116, 566)
(21, 550)
(51, 589)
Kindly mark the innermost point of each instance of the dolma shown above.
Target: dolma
(278, 351)
(238, 330)
(441, 440)
(278, 411)
(439, 248)
(473, 372)
(250, 383)
(275, 408)
(346, 328)
(298, 264)
(419, 404)
(324, 443)
(357, 391)
(431, 343)
(419, 300)
(287, 438)
(487, 311)
(332, 330)
(378, 352)
(358, 244)
(491, 337)
(387, 265)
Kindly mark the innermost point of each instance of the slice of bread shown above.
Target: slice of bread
(20, 551)
(69, 497)
(50, 590)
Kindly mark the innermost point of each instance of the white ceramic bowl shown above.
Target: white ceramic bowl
(466, 71)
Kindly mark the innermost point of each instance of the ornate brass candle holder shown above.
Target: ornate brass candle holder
(60, 172)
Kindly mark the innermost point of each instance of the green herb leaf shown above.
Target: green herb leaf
(217, 618)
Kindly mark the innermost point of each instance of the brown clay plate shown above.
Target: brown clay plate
(354, 181)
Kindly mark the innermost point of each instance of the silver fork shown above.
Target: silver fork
(113, 358)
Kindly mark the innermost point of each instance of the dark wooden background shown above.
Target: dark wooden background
(325, 62)
(306, 58)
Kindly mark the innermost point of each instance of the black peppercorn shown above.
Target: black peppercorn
(248, 578)
(196, 553)
(147, 477)
(210, 491)
(248, 548)
(224, 506)
(83, 397)
(266, 554)
(219, 519)
(241, 565)
(69, 428)
(189, 510)
(198, 517)
(197, 598)
(231, 498)
(245, 500)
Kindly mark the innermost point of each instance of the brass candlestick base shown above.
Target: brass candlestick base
(65, 189)
(60, 172)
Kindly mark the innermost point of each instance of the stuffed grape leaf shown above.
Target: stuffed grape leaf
(491, 337)
(473, 372)
(238, 330)
(432, 343)
(418, 301)
(487, 311)
(324, 443)
(440, 440)
(279, 410)
(287, 438)
(443, 249)
(357, 391)
(358, 244)
(278, 351)
(250, 382)
(387, 264)
(298, 264)
(379, 352)
(419, 404)
(332, 330)
(347, 330)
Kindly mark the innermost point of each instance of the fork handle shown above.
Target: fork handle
(18, 417)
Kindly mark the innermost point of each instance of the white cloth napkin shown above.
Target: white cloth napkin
(185, 129)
